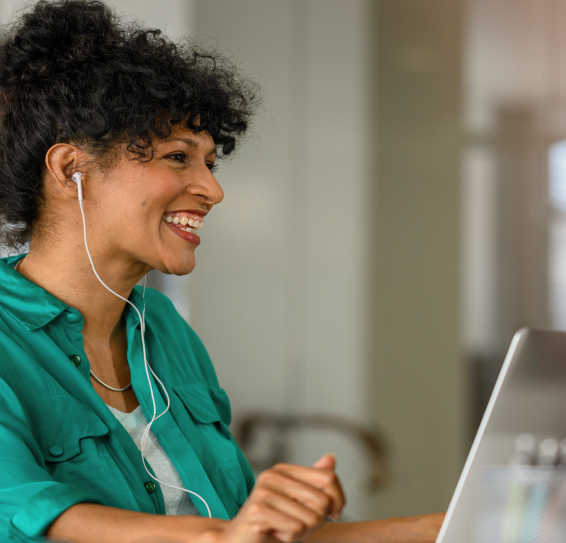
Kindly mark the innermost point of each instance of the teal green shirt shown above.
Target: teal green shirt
(60, 444)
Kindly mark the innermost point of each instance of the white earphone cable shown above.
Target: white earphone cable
(77, 177)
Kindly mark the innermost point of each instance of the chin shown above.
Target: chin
(181, 268)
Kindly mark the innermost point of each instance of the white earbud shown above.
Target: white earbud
(77, 178)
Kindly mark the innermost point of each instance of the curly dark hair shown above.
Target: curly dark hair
(71, 71)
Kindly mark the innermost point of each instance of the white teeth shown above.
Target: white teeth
(194, 224)
(190, 230)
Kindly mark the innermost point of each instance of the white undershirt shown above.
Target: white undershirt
(177, 502)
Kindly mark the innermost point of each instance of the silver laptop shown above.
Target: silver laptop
(513, 485)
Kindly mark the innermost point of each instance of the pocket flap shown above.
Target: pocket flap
(58, 423)
(205, 404)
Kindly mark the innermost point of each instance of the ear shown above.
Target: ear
(62, 161)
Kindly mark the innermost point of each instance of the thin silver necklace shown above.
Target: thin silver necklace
(108, 386)
(91, 372)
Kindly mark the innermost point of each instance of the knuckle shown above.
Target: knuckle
(260, 493)
(267, 477)
(261, 477)
(255, 509)
(256, 528)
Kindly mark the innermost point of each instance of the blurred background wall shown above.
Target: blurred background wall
(398, 212)
(280, 294)
(416, 372)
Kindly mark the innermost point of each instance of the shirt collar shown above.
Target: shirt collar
(32, 305)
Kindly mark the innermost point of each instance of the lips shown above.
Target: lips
(185, 223)
(179, 230)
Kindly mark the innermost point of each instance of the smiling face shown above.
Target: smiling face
(140, 215)
(160, 205)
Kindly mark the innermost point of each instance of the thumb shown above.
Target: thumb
(328, 461)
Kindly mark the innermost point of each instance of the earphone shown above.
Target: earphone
(77, 178)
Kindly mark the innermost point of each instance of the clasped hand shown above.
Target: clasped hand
(288, 503)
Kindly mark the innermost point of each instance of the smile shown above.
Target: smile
(185, 224)
(188, 222)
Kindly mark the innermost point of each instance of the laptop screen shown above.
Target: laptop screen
(513, 486)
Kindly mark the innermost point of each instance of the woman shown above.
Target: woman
(109, 138)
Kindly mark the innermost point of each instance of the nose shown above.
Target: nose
(206, 188)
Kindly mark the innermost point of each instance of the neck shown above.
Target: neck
(68, 275)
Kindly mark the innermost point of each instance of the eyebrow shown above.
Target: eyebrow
(192, 143)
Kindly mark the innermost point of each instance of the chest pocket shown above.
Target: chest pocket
(59, 423)
(209, 408)
(71, 438)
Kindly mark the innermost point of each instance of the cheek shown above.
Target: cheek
(136, 206)
(126, 219)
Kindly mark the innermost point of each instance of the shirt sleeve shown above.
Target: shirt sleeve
(30, 500)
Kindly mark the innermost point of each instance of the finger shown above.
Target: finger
(310, 496)
(284, 504)
(260, 516)
(328, 461)
(323, 479)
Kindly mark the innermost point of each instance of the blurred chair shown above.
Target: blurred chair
(280, 427)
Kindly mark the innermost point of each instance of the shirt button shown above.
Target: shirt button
(150, 487)
(75, 359)
(73, 318)
(56, 450)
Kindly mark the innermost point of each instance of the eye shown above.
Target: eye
(212, 167)
(177, 157)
